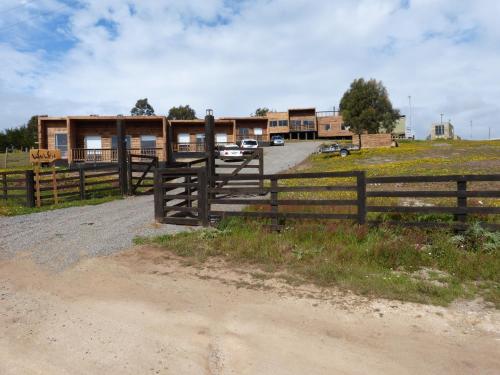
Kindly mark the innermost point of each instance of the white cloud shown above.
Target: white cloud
(237, 56)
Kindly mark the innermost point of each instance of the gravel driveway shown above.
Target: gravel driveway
(61, 237)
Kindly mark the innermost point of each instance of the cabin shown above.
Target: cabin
(94, 138)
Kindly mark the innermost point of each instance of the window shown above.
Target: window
(308, 123)
(328, 127)
(257, 131)
(283, 122)
(148, 141)
(61, 143)
(243, 131)
(114, 142)
(200, 138)
(273, 123)
(344, 127)
(439, 129)
(295, 123)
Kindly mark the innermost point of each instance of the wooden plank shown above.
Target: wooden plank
(286, 202)
(437, 209)
(181, 209)
(445, 178)
(287, 176)
(434, 194)
(179, 185)
(286, 215)
(225, 166)
(179, 221)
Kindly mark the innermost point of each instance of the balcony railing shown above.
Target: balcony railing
(258, 137)
(194, 147)
(302, 128)
(109, 155)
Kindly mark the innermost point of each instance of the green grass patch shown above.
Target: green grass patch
(13, 208)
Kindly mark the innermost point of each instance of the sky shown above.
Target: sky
(64, 57)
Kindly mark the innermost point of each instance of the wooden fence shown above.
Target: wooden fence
(69, 184)
(392, 200)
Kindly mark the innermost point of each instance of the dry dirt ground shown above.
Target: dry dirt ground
(146, 312)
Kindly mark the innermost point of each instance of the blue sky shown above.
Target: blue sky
(99, 56)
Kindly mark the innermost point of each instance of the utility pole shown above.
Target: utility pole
(442, 118)
(410, 126)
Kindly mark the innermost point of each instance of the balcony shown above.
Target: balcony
(109, 155)
(302, 128)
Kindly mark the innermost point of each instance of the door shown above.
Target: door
(220, 138)
(200, 142)
(183, 140)
(61, 143)
(148, 145)
(93, 148)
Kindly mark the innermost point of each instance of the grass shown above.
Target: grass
(14, 161)
(13, 208)
(404, 264)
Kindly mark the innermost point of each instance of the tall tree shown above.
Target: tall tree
(261, 112)
(20, 137)
(142, 108)
(366, 107)
(182, 112)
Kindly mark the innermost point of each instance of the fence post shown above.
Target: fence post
(122, 159)
(30, 189)
(4, 186)
(274, 202)
(81, 173)
(261, 170)
(461, 200)
(159, 199)
(361, 190)
(203, 199)
(130, 188)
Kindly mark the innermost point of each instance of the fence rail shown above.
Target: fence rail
(363, 200)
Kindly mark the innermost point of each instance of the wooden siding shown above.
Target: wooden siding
(277, 116)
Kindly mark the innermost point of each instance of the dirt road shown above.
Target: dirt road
(142, 312)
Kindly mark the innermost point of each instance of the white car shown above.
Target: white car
(230, 151)
(249, 143)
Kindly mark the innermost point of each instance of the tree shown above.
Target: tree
(20, 137)
(261, 112)
(181, 113)
(142, 108)
(366, 107)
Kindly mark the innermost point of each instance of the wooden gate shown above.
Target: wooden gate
(181, 196)
(141, 173)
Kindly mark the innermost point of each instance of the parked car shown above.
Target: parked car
(277, 140)
(249, 144)
(342, 150)
(230, 151)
